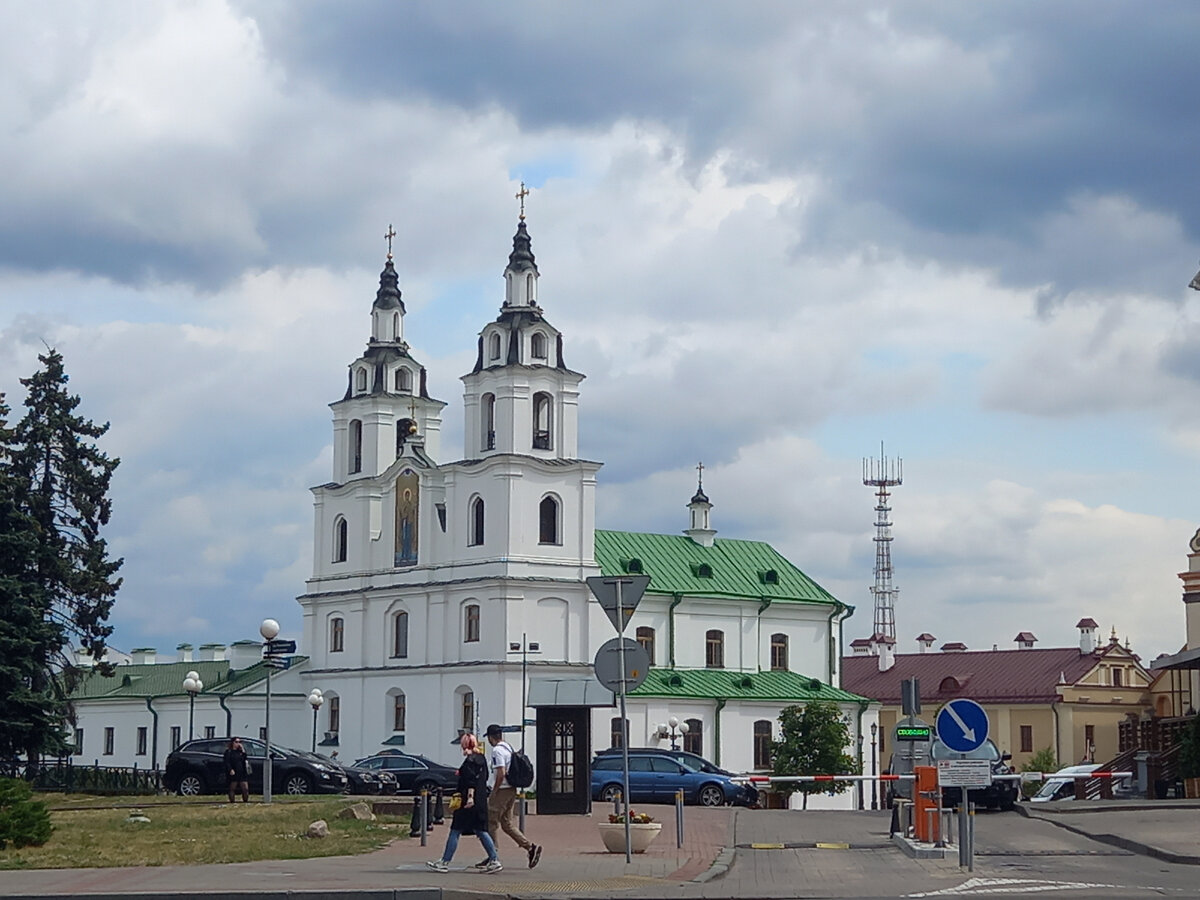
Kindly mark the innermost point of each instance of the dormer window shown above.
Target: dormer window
(494, 347)
(403, 380)
(360, 380)
(537, 345)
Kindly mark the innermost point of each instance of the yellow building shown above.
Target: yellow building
(1071, 699)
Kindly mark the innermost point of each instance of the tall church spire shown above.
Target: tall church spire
(521, 274)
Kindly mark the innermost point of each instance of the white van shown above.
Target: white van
(1061, 785)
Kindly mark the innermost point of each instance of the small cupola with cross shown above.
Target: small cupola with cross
(521, 274)
(387, 312)
(701, 530)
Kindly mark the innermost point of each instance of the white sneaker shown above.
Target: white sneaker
(438, 865)
(482, 864)
(493, 866)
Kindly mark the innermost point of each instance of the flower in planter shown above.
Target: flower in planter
(635, 818)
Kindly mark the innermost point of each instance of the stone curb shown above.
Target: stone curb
(1116, 840)
(918, 851)
(719, 867)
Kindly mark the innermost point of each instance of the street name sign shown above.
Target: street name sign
(604, 587)
(965, 773)
(962, 725)
(608, 664)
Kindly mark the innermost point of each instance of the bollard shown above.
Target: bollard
(894, 828)
(417, 828)
(616, 803)
(679, 818)
(439, 808)
(428, 812)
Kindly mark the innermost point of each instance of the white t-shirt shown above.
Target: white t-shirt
(501, 756)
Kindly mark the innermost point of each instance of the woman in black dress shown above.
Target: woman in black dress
(471, 816)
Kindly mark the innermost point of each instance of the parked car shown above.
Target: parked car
(1001, 794)
(198, 767)
(363, 781)
(655, 777)
(1061, 785)
(694, 760)
(413, 773)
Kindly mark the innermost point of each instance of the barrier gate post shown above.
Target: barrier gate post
(925, 797)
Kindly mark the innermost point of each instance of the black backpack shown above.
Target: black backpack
(520, 770)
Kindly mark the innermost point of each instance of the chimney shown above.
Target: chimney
(860, 647)
(1025, 640)
(142, 656)
(244, 654)
(211, 653)
(185, 652)
(925, 639)
(1087, 635)
(887, 653)
(953, 647)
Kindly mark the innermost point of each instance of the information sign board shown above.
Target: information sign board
(967, 773)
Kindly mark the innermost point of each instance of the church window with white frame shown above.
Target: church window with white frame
(337, 634)
(471, 623)
(494, 347)
(645, 637)
(548, 521)
(779, 652)
(400, 635)
(488, 422)
(466, 710)
(542, 404)
(399, 711)
(762, 744)
(403, 380)
(693, 741)
(537, 345)
(334, 703)
(360, 381)
(341, 533)
(476, 521)
(355, 446)
(714, 649)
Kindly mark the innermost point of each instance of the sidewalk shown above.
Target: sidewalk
(1165, 829)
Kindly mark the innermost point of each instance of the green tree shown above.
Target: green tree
(63, 481)
(24, 822)
(1042, 761)
(814, 740)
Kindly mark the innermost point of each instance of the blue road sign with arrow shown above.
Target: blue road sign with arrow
(962, 725)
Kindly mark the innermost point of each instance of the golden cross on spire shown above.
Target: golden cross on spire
(521, 195)
(391, 233)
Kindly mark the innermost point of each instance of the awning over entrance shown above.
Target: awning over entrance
(568, 692)
(1184, 659)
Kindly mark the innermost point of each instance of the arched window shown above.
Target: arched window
(488, 421)
(494, 347)
(541, 421)
(714, 649)
(400, 635)
(548, 521)
(645, 637)
(395, 326)
(529, 288)
(949, 685)
(466, 710)
(337, 637)
(476, 523)
(340, 539)
(537, 345)
(399, 711)
(355, 446)
(779, 652)
(334, 705)
(471, 623)
(693, 741)
(360, 380)
(617, 735)
(762, 744)
(403, 380)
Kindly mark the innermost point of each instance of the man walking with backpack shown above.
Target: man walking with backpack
(504, 791)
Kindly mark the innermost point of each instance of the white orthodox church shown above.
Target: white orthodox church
(448, 588)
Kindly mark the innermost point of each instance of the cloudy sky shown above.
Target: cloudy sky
(774, 235)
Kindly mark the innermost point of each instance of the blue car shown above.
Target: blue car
(654, 778)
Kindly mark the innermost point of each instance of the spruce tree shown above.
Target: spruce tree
(64, 478)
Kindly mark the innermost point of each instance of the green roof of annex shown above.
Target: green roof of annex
(729, 568)
(714, 684)
(166, 679)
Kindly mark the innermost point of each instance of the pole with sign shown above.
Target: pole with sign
(619, 604)
(962, 726)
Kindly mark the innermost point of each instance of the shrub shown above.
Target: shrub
(24, 821)
(1189, 749)
(1042, 761)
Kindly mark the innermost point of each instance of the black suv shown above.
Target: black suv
(412, 773)
(198, 767)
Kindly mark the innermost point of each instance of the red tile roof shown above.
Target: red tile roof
(1086, 623)
(926, 636)
(996, 676)
(1025, 636)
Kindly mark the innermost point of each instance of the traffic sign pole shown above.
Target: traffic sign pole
(624, 732)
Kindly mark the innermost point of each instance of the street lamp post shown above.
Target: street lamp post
(193, 685)
(874, 780)
(269, 629)
(524, 648)
(859, 741)
(315, 700)
(673, 729)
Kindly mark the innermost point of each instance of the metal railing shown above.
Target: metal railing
(65, 776)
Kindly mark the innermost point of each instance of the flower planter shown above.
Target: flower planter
(640, 836)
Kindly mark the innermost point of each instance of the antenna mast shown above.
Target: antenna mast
(882, 474)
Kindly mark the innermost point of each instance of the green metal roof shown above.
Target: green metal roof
(751, 570)
(166, 679)
(710, 684)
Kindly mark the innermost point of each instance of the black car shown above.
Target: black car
(748, 796)
(413, 773)
(362, 781)
(1000, 794)
(198, 767)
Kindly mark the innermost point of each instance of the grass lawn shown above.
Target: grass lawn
(93, 831)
